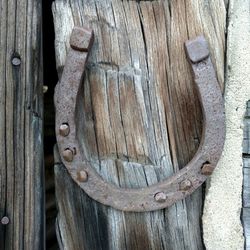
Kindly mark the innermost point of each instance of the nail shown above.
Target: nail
(160, 197)
(64, 129)
(68, 155)
(185, 185)
(5, 220)
(16, 61)
(207, 169)
(45, 88)
(82, 176)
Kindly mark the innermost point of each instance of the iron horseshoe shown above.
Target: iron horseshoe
(166, 192)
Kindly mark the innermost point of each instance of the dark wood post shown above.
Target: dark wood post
(21, 125)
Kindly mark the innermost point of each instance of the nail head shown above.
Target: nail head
(68, 155)
(16, 61)
(5, 220)
(207, 169)
(64, 129)
(185, 185)
(160, 197)
(82, 176)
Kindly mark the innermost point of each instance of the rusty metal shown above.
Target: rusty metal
(197, 50)
(207, 169)
(164, 193)
(68, 155)
(82, 176)
(160, 197)
(185, 185)
(81, 39)
(64, 129)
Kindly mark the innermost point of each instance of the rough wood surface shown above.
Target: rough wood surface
(246, 133)
(138, 119)
(246, 178)
(21, 110)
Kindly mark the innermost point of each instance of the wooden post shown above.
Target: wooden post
(21, 123)
(139, 117)
(246, 178)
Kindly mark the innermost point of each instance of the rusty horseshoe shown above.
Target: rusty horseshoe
(166, 192)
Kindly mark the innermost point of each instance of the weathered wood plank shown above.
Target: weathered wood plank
(246, 203)
(246, 179)
(21, 111)
(139, 116)
(246, 182)
(246, 225)
(246, 133)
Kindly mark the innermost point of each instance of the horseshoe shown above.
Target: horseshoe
(168, 191)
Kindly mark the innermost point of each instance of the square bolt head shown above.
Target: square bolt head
(81, 38)
(197, 49)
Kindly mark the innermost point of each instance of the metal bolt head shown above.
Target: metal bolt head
(160, 197)
(5, 220)
(185, 185)
(82, 176)
(16, 61)
(207, 169)
(68, 155)
(64, 129)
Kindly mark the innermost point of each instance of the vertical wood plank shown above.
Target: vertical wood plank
(246, 179)
(21, 119)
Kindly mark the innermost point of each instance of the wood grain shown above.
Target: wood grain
(21, 136)
(246, 133)
(139, 119)
(246, 179)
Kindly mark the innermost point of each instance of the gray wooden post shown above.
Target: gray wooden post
(21, 125)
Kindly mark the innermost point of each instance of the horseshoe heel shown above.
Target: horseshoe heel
(164, 193)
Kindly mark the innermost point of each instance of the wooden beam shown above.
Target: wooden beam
(246, 178)
(21, 123)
